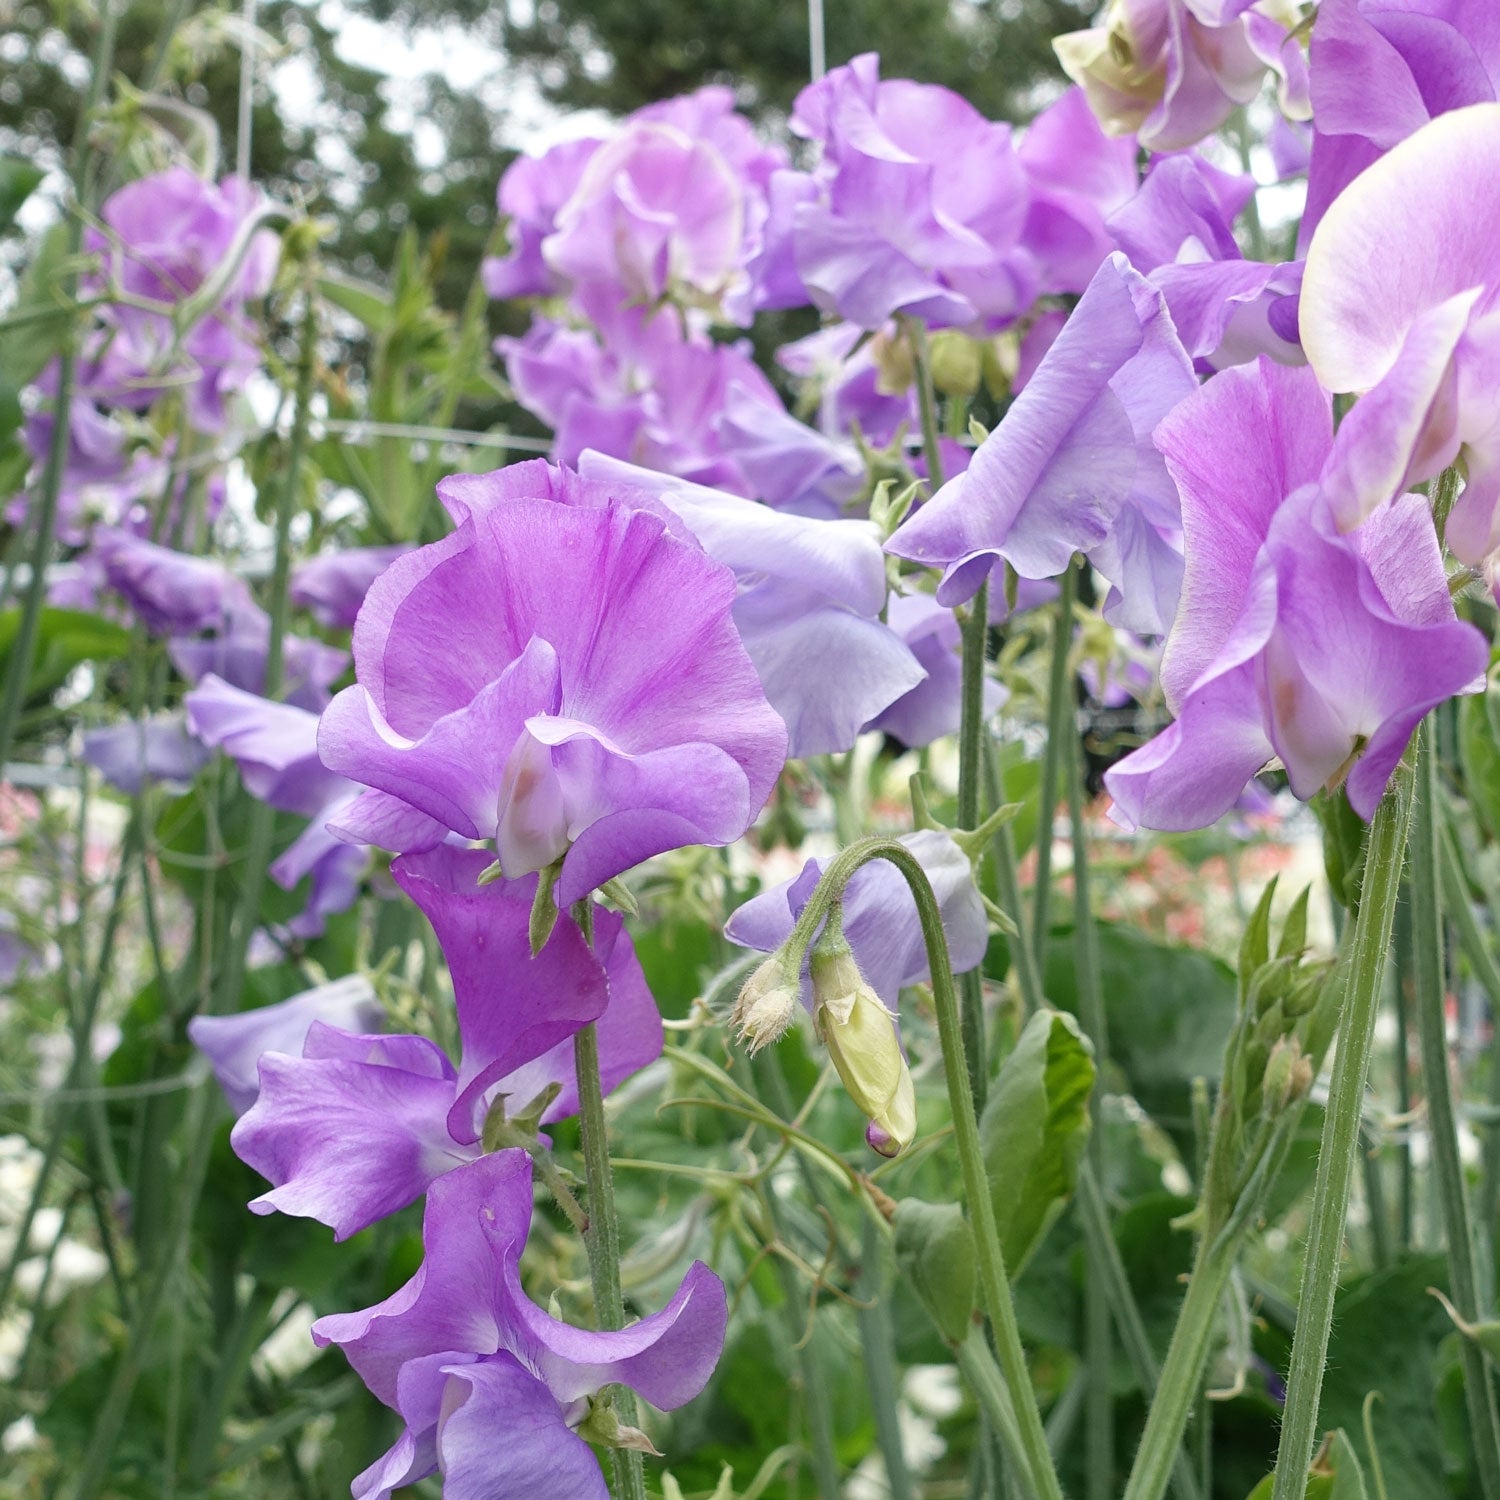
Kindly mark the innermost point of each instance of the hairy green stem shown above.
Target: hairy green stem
(877, 1338)
(1060, 726)
(994, 1284)
(1427, 943)
(1405, 1171)
(1340, 1142)
(1100, 1430)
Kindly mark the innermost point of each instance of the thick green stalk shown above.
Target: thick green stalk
(1061, 727)
(877, 1338)
(1340, 1143)
(1405, 1173)
(1008, 883)
(602, 1238)
(994, 1284)
(1105, 1256)
(1100, 1462)
(1481, 960)
(1427, 943)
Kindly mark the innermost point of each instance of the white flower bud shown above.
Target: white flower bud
(861, 1037)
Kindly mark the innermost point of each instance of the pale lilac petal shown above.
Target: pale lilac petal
(136, 753)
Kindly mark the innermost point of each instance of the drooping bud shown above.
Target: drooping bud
(860, 1034)
(766, 1004)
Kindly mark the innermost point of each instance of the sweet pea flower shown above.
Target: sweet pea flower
(1172, 71)
(165, 238)
(853, 393)
(807, 605)
(921, 204)
(934, 707)
(1226, 309)
(532, 190)
(880, 918)
(1419, 331)
(1380, 72)
(350, 1128)
(333, 585)
(565, 679)
(275, 748)
(1293, 640)
(462, 1354)
(156, 749)
(235, 1044)
(1071, 467)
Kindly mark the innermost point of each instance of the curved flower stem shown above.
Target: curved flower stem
(1098, 1355)
(1372, 936)
(1029, 1437)
(602, 1237)
(1060, 725)
(1427, 941)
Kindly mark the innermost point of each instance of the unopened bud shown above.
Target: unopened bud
(1289, 1075)
(861, 1037)
(957, 362)
(766, 1005)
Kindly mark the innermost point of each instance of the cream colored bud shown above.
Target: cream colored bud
(861, 1037)
(765, 1007)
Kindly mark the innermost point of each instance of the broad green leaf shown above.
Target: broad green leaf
(1034, 1129)
(66, 638)
(18, 181)
(363, 300)
(38, 322)
(935, 1252)
(1169, 1012)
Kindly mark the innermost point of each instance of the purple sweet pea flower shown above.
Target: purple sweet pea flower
(933, 708)
(357, 1127)
(1418, 330)
(921, 209)
(131, 754)
(1226, 309)
(1292, 640)
(275, 747)
(333, 585)
(1077, 176)
(164, 238)
(1173, 71)
(532, 190)
(1071, 467)
(1380, 71)
(234, 1045)
(807, 604)
(461, 1353)
(639, 388)
(565, 679)
(880, 916)
(853, 392)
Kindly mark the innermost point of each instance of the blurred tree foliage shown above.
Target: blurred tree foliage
(347, 145)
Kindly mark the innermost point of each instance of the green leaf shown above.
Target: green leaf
(18, 181)
(40, 317)
(363, 300)
(1034, 1129)
(1169, 1011)
(935, 1251)
(66, 638)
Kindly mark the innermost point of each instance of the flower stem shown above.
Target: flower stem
(1340, 1143)
(1097, 1333)
(1027, 1439)
(1427, 943)
(1060, 725)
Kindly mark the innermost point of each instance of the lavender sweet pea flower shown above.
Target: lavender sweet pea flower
(1402, 301)
(563, 679)
(1382, 71)
(1071, 467)
(807, 605)
(164, 238)
(275, 747)
(921, 208)
(880, 916)
(158, 749)
(1173, 71)
(1293, 640)
(853, 392)
(235, 1044)
(1226, 309)
(460, 1352)
(333, 585)
(933, 708)
(1077, 176)
(531, 192)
